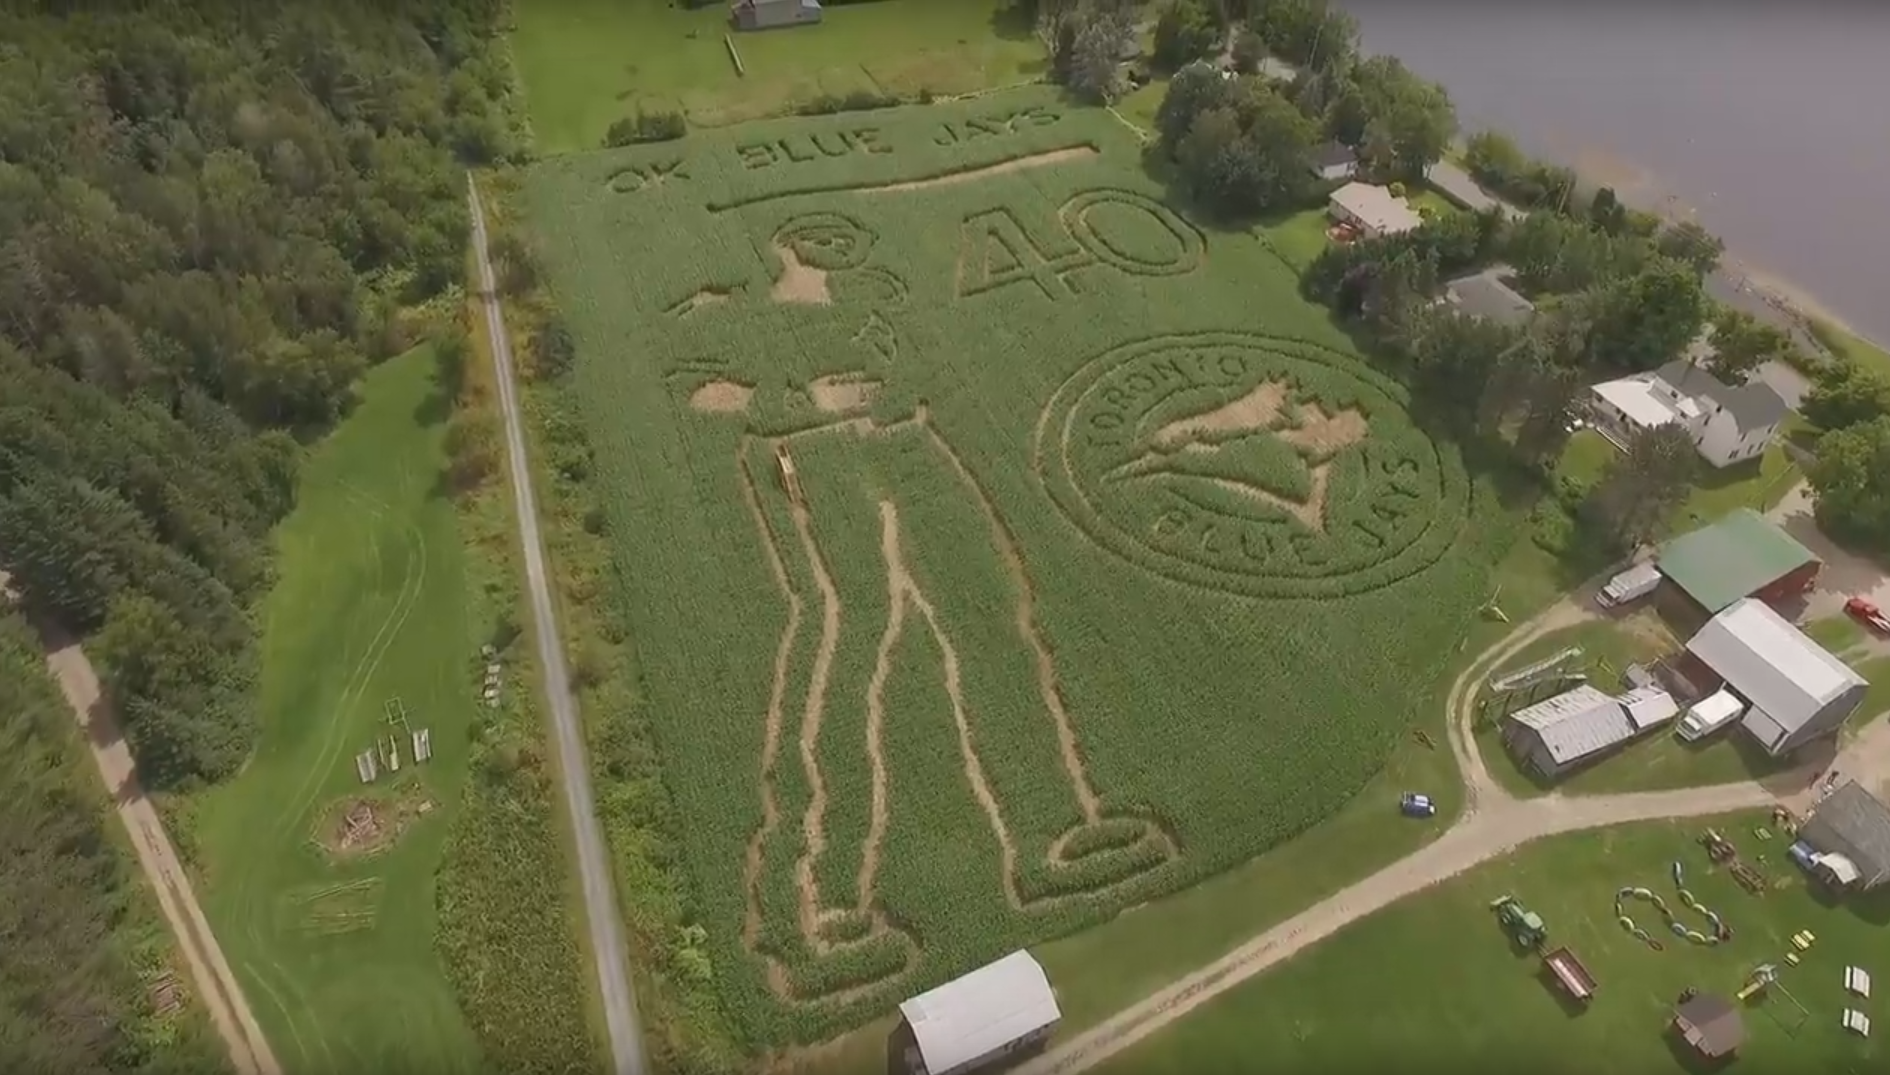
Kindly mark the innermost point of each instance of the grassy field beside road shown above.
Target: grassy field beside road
(587, 63)
(334, 944)
(1435, 976)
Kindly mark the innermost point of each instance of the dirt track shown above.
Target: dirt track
(215, 984)
(1493, 823)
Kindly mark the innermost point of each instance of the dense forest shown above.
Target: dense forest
(211, 217)
(71, 920)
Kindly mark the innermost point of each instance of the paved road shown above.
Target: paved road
(600, 902)
(1493, 823)
(210, 973)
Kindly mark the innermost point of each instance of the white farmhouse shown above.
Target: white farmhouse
(1373, 210)
(1727, 424)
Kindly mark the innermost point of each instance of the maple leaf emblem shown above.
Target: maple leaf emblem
(1263, 446)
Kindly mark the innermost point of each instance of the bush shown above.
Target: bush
(552, 348)
(827, 104)
(1249, 50)
(646, 127)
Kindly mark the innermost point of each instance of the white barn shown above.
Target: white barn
(999, 1010)
(1798, 691)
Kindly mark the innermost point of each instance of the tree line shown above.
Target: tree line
(71, 995)
(211, 216)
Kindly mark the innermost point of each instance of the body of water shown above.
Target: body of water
(1770, 122)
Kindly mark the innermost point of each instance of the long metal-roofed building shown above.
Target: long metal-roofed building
(1559, 734)
(1742, 555)
(1799, 691)
(997, 1011)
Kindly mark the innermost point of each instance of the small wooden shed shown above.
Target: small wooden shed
(1711, 1025)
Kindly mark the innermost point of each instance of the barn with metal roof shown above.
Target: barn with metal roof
(1797, 689)
(1554, 736)
(997, 1011)
(1741, 555)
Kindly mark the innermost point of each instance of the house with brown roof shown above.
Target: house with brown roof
(1711, 1025)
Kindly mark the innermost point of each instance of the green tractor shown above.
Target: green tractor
(1519, 922)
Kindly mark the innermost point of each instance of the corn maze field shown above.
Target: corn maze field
(1003, 548)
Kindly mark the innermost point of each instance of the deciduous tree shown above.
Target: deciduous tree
(1687, 241)
(1185, 31)
(1851, 475)
(1845, 394)
(1405, 122)
(1311, 33)
(1742, 343)
(1193, 90)
(1249, 50)
(1248, 155)
(1644, 484)
(1647, 319)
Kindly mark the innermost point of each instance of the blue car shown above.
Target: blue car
(1801, 853)
(1415, 805)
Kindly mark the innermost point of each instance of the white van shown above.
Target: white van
(1630, 585)
(1710, 715)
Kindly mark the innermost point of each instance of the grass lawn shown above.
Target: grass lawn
(1434, 976)
(1298, 238)
(587, 63)
(1588, 455)
(336, 948)
(1851, 347)
(1140, 104)
(1430, 204)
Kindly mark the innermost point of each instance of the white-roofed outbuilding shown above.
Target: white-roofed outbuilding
(996, 1011)
(1798, 690)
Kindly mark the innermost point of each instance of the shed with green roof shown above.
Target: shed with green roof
(1742, 555)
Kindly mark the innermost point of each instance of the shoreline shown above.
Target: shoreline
(1641, 189)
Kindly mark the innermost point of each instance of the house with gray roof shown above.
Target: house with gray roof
(1578, 726)
(1727, 423)
(768, 14)
(1485, 296)
(1851, 827)
(1334, 160)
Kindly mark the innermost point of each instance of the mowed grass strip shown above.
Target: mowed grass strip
(1232, 722)
(1434, 976)
(337, 955)
(587, 63)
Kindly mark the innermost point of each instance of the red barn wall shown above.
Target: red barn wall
(1792, 584)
